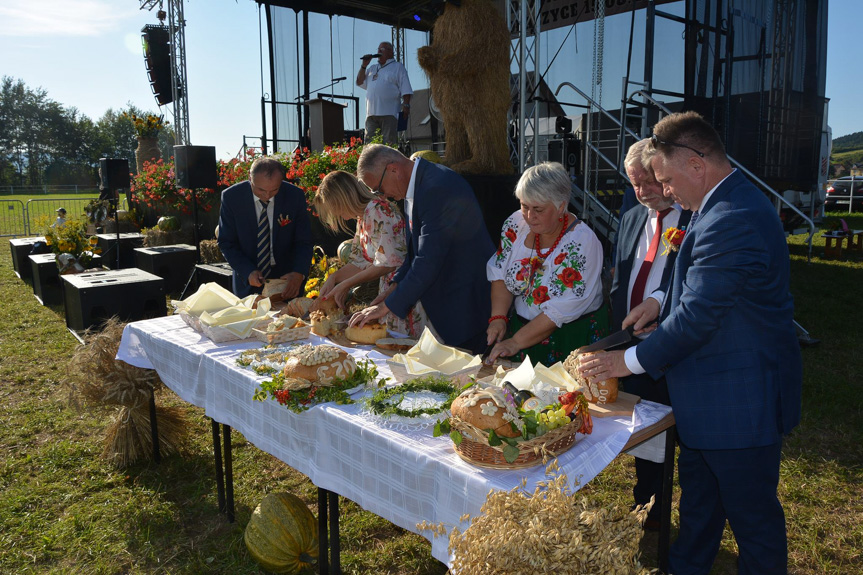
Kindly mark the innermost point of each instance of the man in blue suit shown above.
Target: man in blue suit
(264, 230)
(644, 266)
(727, 346)
(448, 247)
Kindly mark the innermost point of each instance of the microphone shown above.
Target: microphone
(340, 79)
(370, 56)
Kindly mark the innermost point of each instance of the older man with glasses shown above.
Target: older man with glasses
(448, 246)
(727, 347)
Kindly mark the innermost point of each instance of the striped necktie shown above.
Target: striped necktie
(264, 241)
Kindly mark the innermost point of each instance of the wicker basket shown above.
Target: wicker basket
(474, 447)
(284, 335)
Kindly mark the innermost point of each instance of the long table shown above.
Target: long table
(403, 475)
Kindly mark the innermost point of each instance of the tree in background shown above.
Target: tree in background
(42, 142)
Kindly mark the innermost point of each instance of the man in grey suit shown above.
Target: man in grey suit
(643, 266)
(727, 346)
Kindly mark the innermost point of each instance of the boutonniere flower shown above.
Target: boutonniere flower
(284, 220)
(671, 239)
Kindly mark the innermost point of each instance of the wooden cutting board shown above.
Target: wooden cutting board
(622, 407)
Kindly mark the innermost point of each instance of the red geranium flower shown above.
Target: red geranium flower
(540, 295)
(569, 276)
(559, 259)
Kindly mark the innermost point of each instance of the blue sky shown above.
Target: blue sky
(87, 54)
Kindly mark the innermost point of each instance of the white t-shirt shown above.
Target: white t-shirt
(385, 85)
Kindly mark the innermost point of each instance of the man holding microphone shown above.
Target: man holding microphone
(388, 92)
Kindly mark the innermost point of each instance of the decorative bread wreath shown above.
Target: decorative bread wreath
(380, 403)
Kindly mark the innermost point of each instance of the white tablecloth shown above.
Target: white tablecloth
(403, 476)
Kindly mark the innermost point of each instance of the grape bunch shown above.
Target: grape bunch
(554, 418)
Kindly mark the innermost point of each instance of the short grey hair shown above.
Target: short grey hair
(640, 153)
(374, 157)
(267, 167)
(389, 45)
(545, 183)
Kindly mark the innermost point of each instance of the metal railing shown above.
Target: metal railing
(18, 218)
(47, 190)
(856, 184)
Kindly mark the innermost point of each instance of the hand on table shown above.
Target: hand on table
(375, 312)
(601, 366)
(503, 348)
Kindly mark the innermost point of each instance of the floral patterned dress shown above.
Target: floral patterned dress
(565, 286)
(380, 241)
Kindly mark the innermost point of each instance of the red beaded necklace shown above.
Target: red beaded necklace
(539, 253)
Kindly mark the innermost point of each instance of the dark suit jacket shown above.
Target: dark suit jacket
(628, 233)
(238, 233)
(448, 248)
(726, 341)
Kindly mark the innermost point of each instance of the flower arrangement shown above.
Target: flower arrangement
(671, 239)
(156, 188)
(148, 126)
(321, 268)
(71, 238)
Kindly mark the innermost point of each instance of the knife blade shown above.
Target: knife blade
(487, 351)
(613, 340)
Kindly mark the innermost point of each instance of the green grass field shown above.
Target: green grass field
(65, 510)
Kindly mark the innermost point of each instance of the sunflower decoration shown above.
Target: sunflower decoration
(321, 268)
(71, 238)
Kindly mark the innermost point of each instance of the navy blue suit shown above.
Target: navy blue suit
(727, 347)
(238, 233)
(448, 248)
(648, 473)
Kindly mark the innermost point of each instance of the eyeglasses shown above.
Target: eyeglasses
(656, 140)
(377, 191)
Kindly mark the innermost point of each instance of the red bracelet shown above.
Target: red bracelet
(494, 317)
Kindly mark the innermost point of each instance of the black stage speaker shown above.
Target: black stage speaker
(195, 167)
(114, 173)
(565, 151)
(157, 58)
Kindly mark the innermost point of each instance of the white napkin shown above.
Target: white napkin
(210, 297)
(217, 307)
(429, 355)
(544, 382)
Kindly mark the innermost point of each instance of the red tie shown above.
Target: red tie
(637, 295)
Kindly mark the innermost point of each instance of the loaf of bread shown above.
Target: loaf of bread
(396, 343)
(367, 334)
(486, 409)
(319, 364)
(596, 392)
(273, 289)
(299, 306)
(321, 324)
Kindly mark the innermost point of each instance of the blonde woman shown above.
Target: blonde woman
(378, 248)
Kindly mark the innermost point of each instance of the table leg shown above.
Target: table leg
(154, 427)
(833, 247)
(217, 456)
(229, 472)
(323, 545)
(335, 546)
(665, 510)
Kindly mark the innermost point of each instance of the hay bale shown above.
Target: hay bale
(469, 79)
(98, 379)
(210, 252)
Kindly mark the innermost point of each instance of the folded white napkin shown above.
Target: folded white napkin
(217, 307)
(429, 355)
(544, 382)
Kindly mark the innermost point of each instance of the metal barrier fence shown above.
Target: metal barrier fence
(19, 219)
(46, 190)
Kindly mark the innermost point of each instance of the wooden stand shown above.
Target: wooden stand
(326, 123)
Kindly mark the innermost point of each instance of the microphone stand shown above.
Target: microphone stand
(197, 241)
(334, 82)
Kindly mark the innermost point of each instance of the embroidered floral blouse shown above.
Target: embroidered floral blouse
(380, 241)
(564, 286)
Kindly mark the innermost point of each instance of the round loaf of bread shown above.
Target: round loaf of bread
(274, 288)
(485, 409)
(319, 364)
(368, 334)
(598, 392)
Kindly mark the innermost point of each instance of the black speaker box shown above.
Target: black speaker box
(220, 273)
(565, 151)
(93, 297)
(128, 242)
(174, 264)
(157, 58)
(21, 248)
(195, 166)
(115, 174)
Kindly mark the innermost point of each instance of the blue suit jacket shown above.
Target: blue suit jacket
(238, 233)
(726, 341)
(448, 247)
(629, 231)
